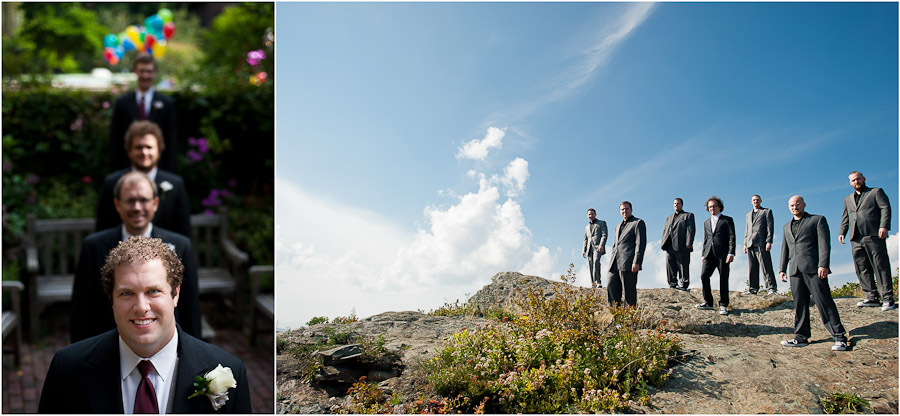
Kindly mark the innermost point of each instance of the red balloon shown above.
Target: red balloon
(149, 40)
(108, 54)
(169, 30)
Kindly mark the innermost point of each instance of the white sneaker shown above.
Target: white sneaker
(888, 306)
(867, 304)
(723, 310)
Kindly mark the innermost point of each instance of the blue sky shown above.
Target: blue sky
(424, 147)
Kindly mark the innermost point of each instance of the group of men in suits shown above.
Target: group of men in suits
(805, 254)
(135, 298)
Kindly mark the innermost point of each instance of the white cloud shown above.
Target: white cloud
(515, 175)
(333, 258)
(478, 149)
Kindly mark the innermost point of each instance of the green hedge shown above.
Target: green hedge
(55, 156)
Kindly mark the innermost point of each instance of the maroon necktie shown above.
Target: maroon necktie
(145, 399)
(141, 111)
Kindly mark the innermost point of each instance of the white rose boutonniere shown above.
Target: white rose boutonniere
(157, 104)
(166, 186)
(215, 385)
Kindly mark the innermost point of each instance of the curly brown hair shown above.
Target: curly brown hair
(717, 200)
(140, 249)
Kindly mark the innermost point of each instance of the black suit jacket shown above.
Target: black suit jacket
(721, 241)
(91, 309)
(162, 112)
(809, 249)
(84, 377)
(173, 212)
(678, 233)
(864, 219)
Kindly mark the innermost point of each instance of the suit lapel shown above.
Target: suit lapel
(101, 370)
(190, 366)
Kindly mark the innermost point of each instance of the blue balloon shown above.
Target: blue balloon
(110, 41)
(128, 44)
(120, 51)
(154, 25)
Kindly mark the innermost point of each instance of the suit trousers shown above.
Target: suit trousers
(804, 285)
(678, 268)
(593, 258)
(760, 258)
(620, 281)
(711, 264)
(873, 267)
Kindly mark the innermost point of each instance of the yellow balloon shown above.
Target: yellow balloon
(159, 48)
(135, 35)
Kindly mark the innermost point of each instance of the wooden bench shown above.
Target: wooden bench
(263, 303)
(53, 246)
(12, 318)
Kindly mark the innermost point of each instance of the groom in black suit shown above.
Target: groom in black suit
(144, 143)
(147, 364)
(718, 253)
(136, 201)
(143, 103)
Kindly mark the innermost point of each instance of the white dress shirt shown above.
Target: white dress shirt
(713, 220)
(162, 376)
(126, 234)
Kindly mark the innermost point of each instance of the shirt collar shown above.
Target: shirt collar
(149, 93)
(163, 358)
(151, 174)
(126, 234)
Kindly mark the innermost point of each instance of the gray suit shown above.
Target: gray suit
(757, 234)
(678, 241)
(801, 256)
(594, 238)
(862, 220)
(631, 242)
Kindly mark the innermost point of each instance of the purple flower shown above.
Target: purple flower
(32, 179)
(253, 57)
(212, 200)
(202, 145)
(106, 104)
(76, 125)
(193, 156)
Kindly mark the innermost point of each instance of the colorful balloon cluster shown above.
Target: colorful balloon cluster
(150, 38)
(253, 58)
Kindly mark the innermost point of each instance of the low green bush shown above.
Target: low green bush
(567, 353)
(843, 403)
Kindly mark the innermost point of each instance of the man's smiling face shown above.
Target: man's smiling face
(144, 306)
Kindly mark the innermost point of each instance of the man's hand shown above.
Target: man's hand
(823, 272)
(635, 268)
(730, 258)
(768, 246)
(583, 254)
(689, 247)
(601, 250)
(841, 239)
(783, 276)
(745, 249)
(882, 233)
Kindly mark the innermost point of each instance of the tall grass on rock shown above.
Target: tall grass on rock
(563, 353)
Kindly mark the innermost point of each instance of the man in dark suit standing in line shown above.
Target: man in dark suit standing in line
(678, 243)
(806, 245)
(867, 217)
(144, 103)
(626, 257)
(146, 364)
(718, 253)
(136, 201)
(144, 143)
(594, 245)
(757, 244)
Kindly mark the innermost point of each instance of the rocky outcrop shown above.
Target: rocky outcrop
(733, 363)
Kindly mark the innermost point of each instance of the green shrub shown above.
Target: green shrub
(849, 289)
(317, 320)
(564, 354)
(842, 403)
